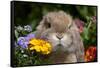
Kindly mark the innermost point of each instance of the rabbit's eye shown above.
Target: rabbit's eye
(48, 25)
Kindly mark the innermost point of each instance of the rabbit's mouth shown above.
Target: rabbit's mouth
(59, 48)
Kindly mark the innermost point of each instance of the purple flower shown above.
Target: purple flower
(30, 36)
(23, 42)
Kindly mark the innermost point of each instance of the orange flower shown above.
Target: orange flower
(90, 54)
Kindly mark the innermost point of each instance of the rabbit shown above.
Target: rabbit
(58, 28)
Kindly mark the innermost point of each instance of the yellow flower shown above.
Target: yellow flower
(39, 45)
(34, 42)
(37, 48)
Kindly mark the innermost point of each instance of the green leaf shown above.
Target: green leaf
(16, 34)
(86, 33)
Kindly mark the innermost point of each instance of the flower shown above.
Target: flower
(39, 45)
(90, 54)
(27, 28)
(32, 43)
(19, 28)
(30, 36)
(24, 41)
(80, 24)
(94, 19)
(25, 55)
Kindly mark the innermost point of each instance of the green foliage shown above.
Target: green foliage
(89, 33)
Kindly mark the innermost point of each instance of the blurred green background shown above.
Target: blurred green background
(32, 12)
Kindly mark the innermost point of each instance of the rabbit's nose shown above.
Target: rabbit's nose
(59, 36)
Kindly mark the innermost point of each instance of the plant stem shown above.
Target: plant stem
(89, 25)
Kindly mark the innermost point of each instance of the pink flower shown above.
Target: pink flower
(80, 24)
(94, 19)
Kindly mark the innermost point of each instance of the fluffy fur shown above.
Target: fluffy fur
(59, 29)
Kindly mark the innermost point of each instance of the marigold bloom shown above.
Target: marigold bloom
(39, 45)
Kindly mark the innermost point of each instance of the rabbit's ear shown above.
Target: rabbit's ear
(40, 28)
(73, 26)
(43, 25)
(77, 43)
